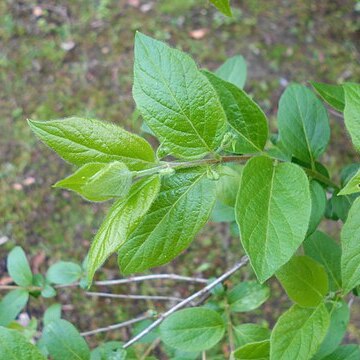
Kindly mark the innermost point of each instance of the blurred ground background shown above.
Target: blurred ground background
(64, 58)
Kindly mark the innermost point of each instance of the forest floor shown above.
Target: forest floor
(76, 59)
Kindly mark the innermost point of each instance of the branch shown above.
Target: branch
(135, 297)
(187, 301)
(117, 326)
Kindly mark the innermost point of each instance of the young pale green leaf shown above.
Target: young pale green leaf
(121, 221)
(299, 332)
(233, 70)
(223, 6)
(176, 100)
(245, 118)
(332, 94)
(352, 186)
(111, 350)
(52, 313)
(11, 305)
(183, 206)
(327, 252)
(350, 239)
(253, 351)
(222, 213)
(273, 210)
(14, 346)
(303, 123)
(318, 205)
(304, 280)
(345, 352)
(194, 329)
(249, 333)
(63, 273)
(19, 268)
(247, 296)
(228, 184)
(63, 341)
(80, 141)
(352, 112)
(339, 320)
(99, 181)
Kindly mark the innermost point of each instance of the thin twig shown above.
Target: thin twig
(116, 326)
(335, 113)
(9, 287)
(187, 301)
(151, 277)
(135, 297)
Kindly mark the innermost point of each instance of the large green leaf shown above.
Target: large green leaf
(234, 71)
(99, 181)
(176, 100)
(248, 333)
(18, 267)
(339, 320)
(63, 273)
(52, 313)
(350, 240)
(352, 112)
(318, 205)
(253, 351)
(327, 252)
(81, 141)
(228, 185)
(223, 6)
(246, 120)
(63, 341)
(111, 350)
(273, 210)
(352, 186)
(247, 296)
(14, 346)
(332, 94)
(194, 329)
(12, 304)
(120, 222)
(299, 332)
(346, 352)
(182, 208)
(303, 123)
(304, 280)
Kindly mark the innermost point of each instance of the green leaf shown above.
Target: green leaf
(299, 332)
(233, 70)
(352, 186)
(223, 6)
(228, 184)
(194, 329)
(245, 118)
(63, 273)
(332, 94)
(222, 213)
(352, 112)
(121, 221)
(176, 100)
(99, 181)
(52, 313)
(249, 333)
(273, 210)
(111, 350)
(15, 346)
(350, 239)
(63, 341)
(247, 296)
(304, 280)
(345, 352)
(327, 252)
(19, 268)
(339, 320)
(303, 123)
(48, 291)
(253, 351)
(318, 205)
(182, 207)
(11, 305)
(80, 141)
